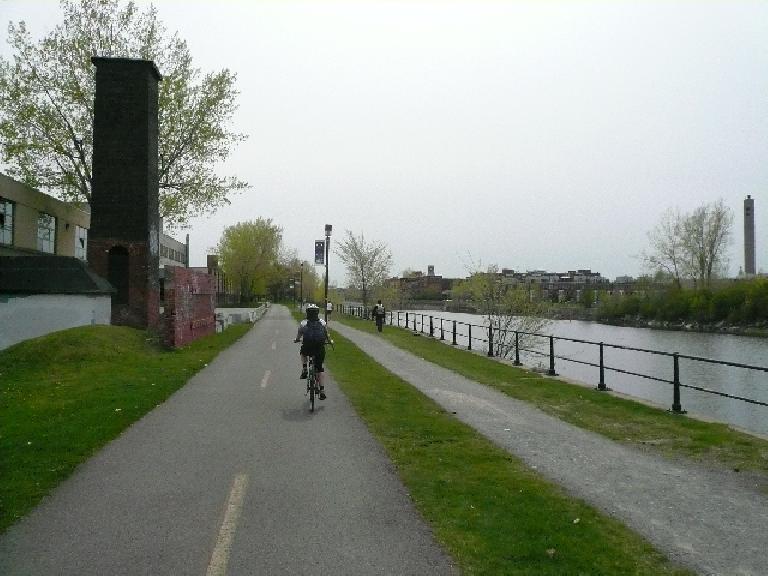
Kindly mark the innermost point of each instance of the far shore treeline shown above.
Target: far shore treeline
(740, 302)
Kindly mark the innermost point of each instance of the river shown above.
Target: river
(737, 381)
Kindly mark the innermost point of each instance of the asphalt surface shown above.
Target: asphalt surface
(713, 522)
(233, 475)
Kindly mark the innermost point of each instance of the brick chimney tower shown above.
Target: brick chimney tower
(749, 236)
(124, 239)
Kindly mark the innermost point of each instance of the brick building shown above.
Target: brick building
(423, 286)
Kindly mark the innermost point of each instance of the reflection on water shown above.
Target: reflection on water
(751, 384)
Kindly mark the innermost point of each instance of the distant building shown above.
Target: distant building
(423, 287)
(555, 285)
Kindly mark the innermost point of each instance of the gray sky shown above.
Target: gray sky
(541, 134)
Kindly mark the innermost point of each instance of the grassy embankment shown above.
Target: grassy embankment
(617, 418)
(65, 395)
(490, 511)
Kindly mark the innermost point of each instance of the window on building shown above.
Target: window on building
(6, 221)
(46, 233)
(81, 243)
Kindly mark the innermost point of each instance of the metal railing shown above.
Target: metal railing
(487, 334)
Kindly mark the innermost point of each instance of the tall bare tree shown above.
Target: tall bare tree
(367, 263)
(46, 107)
(706, 235)
(691, 246)
(667, 249)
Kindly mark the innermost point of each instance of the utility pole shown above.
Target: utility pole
(328, 228)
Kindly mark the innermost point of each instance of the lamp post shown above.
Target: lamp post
(328, 228)
(301, 285)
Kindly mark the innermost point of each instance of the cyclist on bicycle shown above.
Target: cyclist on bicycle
(313, 335)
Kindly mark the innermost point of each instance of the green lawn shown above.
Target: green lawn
(617, 418)
(493, 514)
(65, 395)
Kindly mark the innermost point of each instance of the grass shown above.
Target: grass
(490, 512)
(65, 395)
(619, 419)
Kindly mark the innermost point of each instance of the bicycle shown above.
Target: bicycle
(313, 385)
(313, 379)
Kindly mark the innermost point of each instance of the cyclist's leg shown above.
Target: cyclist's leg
(303, 354)
(319, 359)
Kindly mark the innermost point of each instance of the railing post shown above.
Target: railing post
(406, 319)
(490, 340)
(431, 328)
(676, 407)
(601, 385)
(551, 370)
(469, 340)
(454, 333)
(414, 323)
(517, 350)
(398, 318)
(442, 332)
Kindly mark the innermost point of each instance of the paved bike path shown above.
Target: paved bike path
(233, 475)
(713, 522)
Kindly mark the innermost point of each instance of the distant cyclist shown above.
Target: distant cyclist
(313, 335)
(379, 315)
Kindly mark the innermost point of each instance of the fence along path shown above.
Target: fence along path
(714, 522)
(485, 336)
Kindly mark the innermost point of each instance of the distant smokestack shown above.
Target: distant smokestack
(749, 236)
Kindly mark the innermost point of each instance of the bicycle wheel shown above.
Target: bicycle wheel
(312, 385)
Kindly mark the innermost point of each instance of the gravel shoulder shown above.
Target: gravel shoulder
(711, 521)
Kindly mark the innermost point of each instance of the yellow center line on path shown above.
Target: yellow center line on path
(220, 556)
(265, 380)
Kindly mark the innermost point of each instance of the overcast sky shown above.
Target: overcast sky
(533, 135)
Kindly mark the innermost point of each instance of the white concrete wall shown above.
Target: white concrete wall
(24, 317)
(227, 316)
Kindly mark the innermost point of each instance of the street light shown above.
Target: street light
(301, 285)
(328, 229)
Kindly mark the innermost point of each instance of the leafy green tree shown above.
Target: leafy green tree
(587, 298)
(506, 308)
(367, 263)
(46, 107)
(293, 271)
(249, 255)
